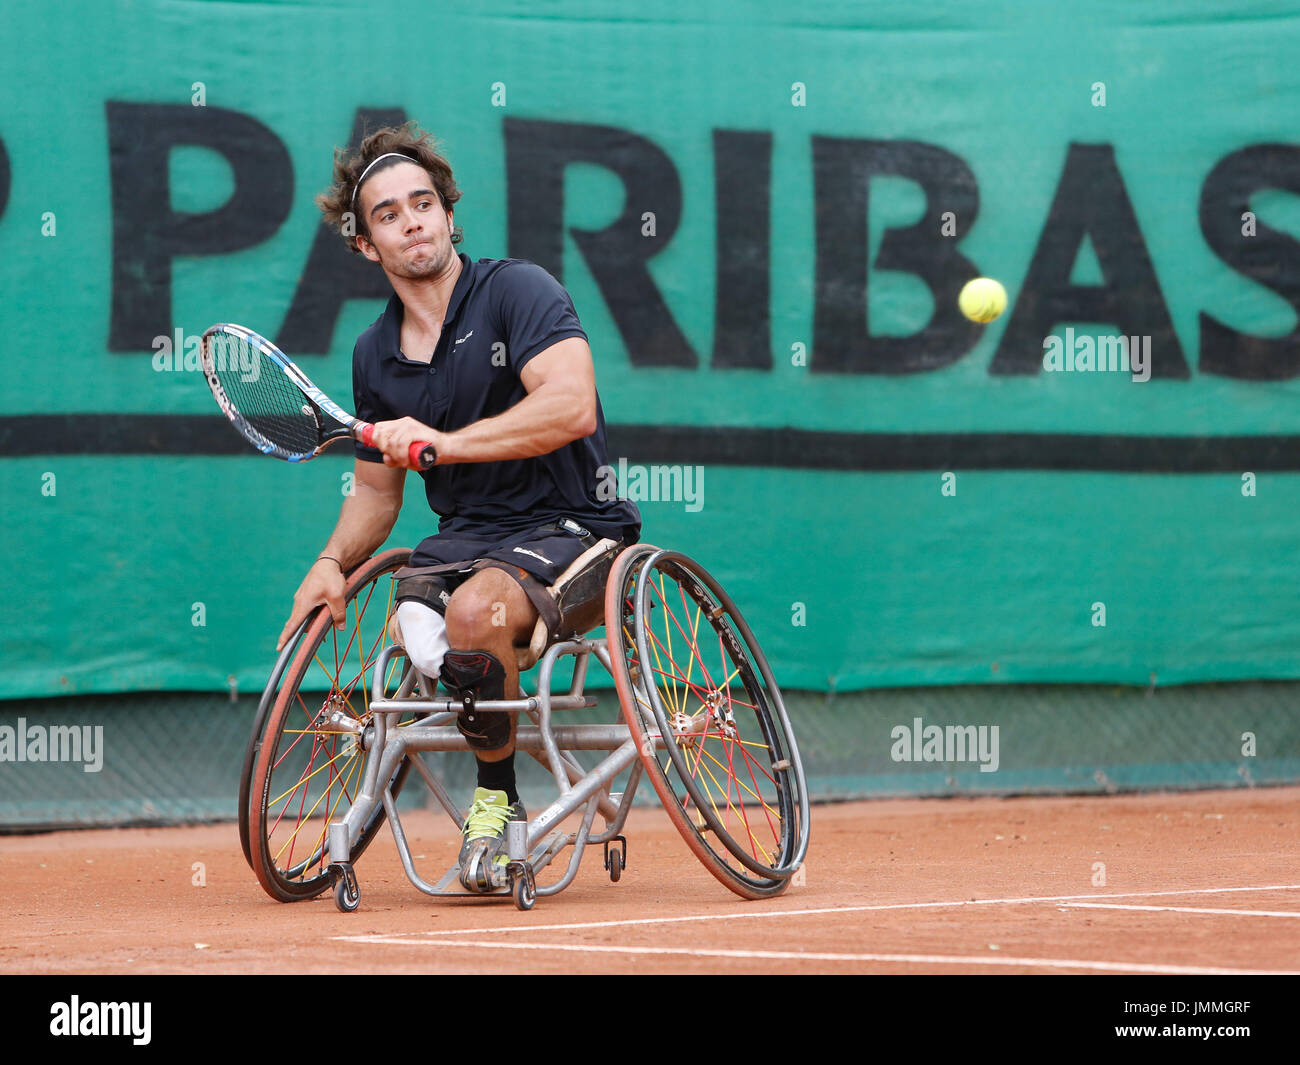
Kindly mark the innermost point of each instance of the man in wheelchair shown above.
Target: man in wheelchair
(488, 362)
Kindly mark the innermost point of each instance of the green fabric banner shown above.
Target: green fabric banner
(764, 216)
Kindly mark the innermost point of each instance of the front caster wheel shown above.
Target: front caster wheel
(522, 885)
(616, 857)
(347, 893)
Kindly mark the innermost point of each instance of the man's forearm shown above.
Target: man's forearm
(366, 519)
(538, 424)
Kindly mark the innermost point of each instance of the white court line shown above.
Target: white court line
(796, 955)
(1181, 909)
(756, 914)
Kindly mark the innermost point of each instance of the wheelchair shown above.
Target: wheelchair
(345, 718)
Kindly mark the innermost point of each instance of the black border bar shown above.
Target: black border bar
(29, 435)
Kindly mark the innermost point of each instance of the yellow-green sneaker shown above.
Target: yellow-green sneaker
(482, 865)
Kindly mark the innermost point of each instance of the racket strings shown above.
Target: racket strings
(275, 415)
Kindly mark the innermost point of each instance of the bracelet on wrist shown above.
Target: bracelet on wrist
(332, 559)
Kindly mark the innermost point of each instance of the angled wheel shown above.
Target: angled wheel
(687, 668)
(259, 730)
(302, 771)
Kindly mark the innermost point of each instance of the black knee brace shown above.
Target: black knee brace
(430, 589)
(471, 676)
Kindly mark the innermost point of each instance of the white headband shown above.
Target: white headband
(386, 155)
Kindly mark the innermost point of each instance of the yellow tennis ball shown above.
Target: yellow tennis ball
(982, 300)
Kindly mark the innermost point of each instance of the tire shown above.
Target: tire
(731, 780)
(259, 729)
(345, 898)
(299, 774)
(525, 895)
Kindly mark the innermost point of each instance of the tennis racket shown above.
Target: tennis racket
(274, 404)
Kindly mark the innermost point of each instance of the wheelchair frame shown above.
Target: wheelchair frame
(532, 846)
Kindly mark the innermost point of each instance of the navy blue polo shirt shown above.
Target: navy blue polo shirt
(501, 314)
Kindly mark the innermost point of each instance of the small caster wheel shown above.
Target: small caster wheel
(346, 900)
(347, 895)
(522, 885)
(616, 857)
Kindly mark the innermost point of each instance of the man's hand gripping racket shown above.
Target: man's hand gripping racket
(274, 404)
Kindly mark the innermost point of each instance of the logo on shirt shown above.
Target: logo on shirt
(465, 337)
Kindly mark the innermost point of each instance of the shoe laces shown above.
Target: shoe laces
(486, 819)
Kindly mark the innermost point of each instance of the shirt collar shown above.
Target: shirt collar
(462, 287)
(391, 328)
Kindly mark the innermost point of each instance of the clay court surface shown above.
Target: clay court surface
(1194, 883)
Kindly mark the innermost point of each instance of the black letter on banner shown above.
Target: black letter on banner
(148, 234)
(4, 178)
(537, 153)
(333, 274)
(842, 173)
(1270, 257)
(1091, 201)
(742, 331)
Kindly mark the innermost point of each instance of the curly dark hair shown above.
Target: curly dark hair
(337, 203)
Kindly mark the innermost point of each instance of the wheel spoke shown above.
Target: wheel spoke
(669, 649)
(746, 743)
(716, 784)
(318, 732)
(300, 733)
(307, 777)
(740, 783)
(298, 827)
(301, 803)
(361, 656)
(750, 763)
(694, 638)
(754, 761)
(668, 611)
(731, 775)
(698, 692)
(319, 849)
(659, 662)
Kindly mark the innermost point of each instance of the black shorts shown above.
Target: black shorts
(544, 552)
(535, 558)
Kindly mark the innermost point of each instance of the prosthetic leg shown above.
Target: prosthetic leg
(479, 676)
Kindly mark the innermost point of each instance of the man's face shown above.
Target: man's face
(410, 233)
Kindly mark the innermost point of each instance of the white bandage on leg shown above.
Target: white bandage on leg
(424, 635)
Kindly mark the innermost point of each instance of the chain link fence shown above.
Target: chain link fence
(175, 758)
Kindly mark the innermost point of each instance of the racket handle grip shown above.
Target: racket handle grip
(422, 455)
